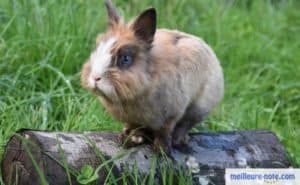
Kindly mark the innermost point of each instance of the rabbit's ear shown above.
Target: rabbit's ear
(144, 26)
(113, 15)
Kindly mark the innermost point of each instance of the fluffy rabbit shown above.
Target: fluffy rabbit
(163, 80)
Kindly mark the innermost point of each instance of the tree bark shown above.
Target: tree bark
(207, 155)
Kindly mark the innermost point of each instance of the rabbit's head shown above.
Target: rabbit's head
(120, 66)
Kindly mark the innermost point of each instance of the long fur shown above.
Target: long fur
(174, 82)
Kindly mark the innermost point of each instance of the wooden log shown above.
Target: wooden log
(207, 155)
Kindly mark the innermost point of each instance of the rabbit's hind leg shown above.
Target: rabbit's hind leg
(192, 116)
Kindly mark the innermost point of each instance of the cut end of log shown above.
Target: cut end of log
(206, 156)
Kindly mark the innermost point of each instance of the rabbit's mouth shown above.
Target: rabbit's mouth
(103, 95)
(106, 91)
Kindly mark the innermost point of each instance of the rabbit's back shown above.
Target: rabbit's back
(190, 67)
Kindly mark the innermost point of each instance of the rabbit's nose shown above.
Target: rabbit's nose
(97, 78)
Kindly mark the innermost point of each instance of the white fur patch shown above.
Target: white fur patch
(100, 61)
(137, 139)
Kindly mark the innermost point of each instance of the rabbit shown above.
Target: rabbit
(162, 80)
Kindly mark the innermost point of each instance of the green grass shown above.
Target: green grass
(43, 45)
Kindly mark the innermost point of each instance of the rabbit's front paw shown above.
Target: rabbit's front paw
(131, 137)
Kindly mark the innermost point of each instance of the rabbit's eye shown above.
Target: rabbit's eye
(125, 61)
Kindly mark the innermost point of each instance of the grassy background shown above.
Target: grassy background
(43, 45)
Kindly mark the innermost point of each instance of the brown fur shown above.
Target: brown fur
(174, 82)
